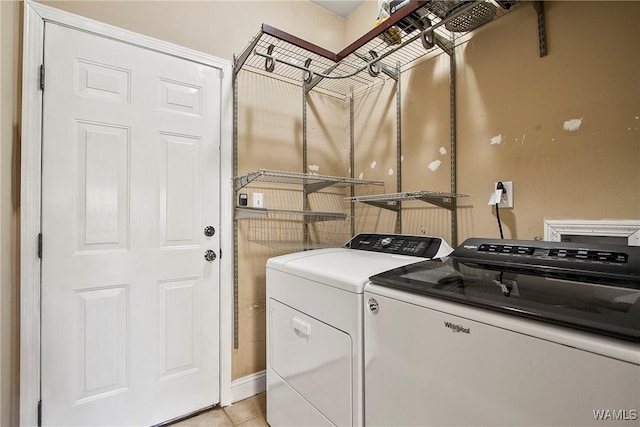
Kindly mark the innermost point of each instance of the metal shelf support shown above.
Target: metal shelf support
(399, 146)
(393, 206)
(352, 162)
(453, 129)
(542, 32)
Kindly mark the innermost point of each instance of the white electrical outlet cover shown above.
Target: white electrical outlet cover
(507, 197)
(258, 200)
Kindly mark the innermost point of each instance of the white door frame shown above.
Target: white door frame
(35, 15)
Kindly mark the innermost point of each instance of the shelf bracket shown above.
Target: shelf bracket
(446, 45)
(390, 206)
(441, 203)
(241, 181)
(542, 32)
(312, 188)
(238, 62)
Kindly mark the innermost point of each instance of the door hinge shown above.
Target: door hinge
(40, 245)
(42, 77)
(220, 253)
(39, 413)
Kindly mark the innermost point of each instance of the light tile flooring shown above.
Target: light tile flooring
(250, 412)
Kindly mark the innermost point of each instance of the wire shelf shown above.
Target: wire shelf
(351, 68)
(409, 195)
(310, 216)
(312, 181)
(392, 201)
(296, 231)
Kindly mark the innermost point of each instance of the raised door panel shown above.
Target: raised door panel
(102, 186)
(102, 342)
(179, 327)
(179, 187)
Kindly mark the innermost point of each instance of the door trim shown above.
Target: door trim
(35, 16)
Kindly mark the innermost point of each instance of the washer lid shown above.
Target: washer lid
(607, 305)
(343, 268)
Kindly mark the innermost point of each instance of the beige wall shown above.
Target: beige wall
(220, 28)
(504, 88)
(360, 21)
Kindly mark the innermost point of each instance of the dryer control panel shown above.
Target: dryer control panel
(400, 244)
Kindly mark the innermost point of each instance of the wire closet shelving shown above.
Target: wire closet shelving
(416, 29)
(421, 27)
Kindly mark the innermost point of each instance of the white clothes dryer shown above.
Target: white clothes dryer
(315, 312)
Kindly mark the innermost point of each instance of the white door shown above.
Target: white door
(131, 145)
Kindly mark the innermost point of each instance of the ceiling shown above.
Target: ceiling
(341, 8)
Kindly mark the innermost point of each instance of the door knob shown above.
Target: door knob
(209, 255)
(209, 231)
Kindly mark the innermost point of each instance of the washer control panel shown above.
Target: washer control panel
(400, 244)
(595, 257)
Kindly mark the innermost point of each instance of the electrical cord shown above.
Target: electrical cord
(500, 186)
(499, 222)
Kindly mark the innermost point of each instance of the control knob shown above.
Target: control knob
(373, 306)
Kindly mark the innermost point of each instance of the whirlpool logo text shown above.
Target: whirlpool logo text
(457, 328)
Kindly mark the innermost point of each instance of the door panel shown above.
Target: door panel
(130, 306)
(103, 186)
(101, 352)
(178, 332)
(180, 189)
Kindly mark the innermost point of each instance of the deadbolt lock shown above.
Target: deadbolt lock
(209, 231)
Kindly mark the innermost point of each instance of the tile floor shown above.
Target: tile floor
(250, 412)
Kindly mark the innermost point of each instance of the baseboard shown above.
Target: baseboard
(248, 386)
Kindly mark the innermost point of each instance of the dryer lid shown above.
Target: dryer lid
(341, 268)
(366, 254)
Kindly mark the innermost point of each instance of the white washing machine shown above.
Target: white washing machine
(314, 326)
(506, 332)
